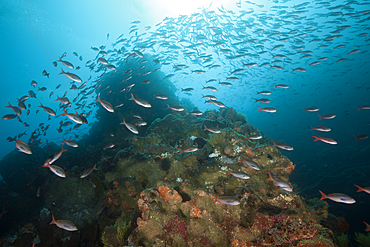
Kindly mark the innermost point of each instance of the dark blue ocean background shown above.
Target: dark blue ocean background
(36, 33)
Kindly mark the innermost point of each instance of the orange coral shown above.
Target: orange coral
(240, 243)
(169, 195)
(195, 212)
(249, 153)
(290, 168)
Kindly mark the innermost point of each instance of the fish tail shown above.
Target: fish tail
(359, 108)
(63, 150)
(61, 72)
(205, 128)
(181, 150)
(133, 98)
(168, 107)
(94, 167)
(357, 138)
(260, 109)
(270, 177)
(312, 128)
(64, 140)
(52, 220)
(256, 100)
(360, 188)
(318, 138)
(304, 108)
(216, 199)
(323, 196)
(319, 116)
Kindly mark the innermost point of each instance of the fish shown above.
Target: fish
(63, 100)
(281, 86)
(175, 108)
(52, 158)
(32, 94)
(55, 169)
(102, 60)
(23, 147)
(160, 96)
(216, 103)
(311, 109)
(48, 110)
(338, 197)
(284, 185)
(74, 117)
(264, 92)
(188, 150)
(240, 175)
(283, 146)
(106, 105)
(251, 164)
(327, 116)
(187, 89)
(33, 83)
(362, 137)
(70, 143)
(321, 128)
(365, 189)
(44, 73)
(265, 101)
(213, 89)
(140, 102)
(71, 76)
(212, 129)
(196, 113)
(325, 139)
(9, 116)
(365, 107)
(227, 200)
(267, 109)
(87, 172)
(130, 127)
(64, 224)
(14, 108)
(254, 137)
(299, 69)
(66, 63)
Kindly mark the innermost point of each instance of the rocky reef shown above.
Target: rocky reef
(148, 193)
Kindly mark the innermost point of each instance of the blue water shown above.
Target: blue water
(36, 33)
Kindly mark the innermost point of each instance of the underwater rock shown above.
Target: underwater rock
(166, 164)
(203, 220)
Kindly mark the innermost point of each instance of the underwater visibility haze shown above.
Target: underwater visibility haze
(185, 123)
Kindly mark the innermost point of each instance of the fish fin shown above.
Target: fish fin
(216, 199)
(304, 108)
(61, 72)
(323, 196)
(53, 221)
(168, 107)
(181, 150)
(319, 116)
(312, 128)
(260, 109)
(94, 167)
(317, 138)
(270, 177)
(133, 98)
(63, 150)
(205, 128)
(360, 188)
(357, 138)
